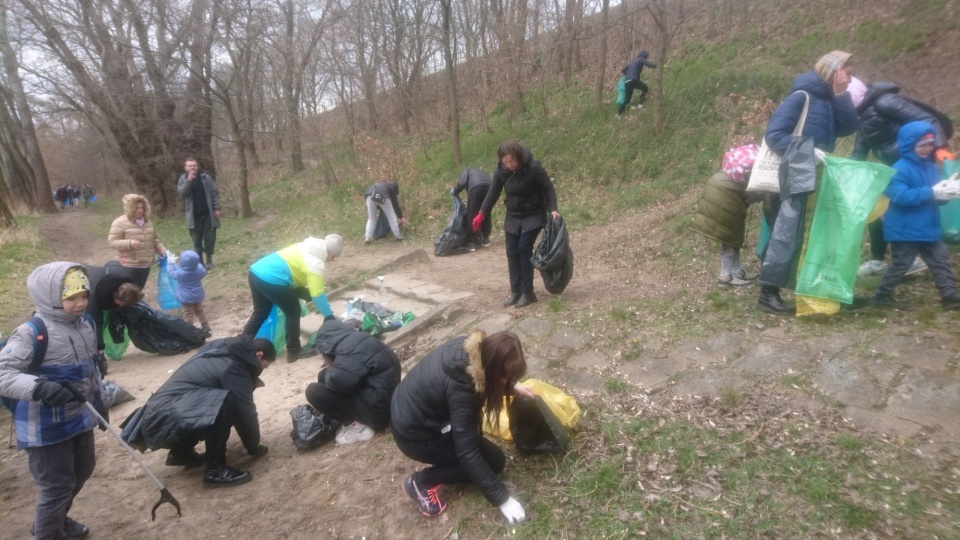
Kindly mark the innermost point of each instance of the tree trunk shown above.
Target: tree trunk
(602, 72)
(451, 82)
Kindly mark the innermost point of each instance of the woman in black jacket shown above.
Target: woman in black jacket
(357, 386)
(436, 414)
(529, 196)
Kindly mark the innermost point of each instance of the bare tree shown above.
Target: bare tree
(667, 17)
(510, 19)
(21, 130)
(602, 72)
(448, 57)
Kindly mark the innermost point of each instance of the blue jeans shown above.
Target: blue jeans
(519, 263)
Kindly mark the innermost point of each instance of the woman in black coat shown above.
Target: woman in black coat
(357, 386)
(529, 197)
(436, 414)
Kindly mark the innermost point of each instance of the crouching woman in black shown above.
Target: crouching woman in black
(436, 415)
(357, 385)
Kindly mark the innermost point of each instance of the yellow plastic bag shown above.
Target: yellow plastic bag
(563, 406)
(811, 305)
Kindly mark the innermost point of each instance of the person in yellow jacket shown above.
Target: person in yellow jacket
(132, 235)
(283, 277)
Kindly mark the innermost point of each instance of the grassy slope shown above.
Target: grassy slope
(773, 480)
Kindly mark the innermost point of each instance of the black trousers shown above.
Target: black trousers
(519, 252)
(204, 235)
(441, 454)
(265, 296)
(474, 201)
(630, 86)
(345, 408)
(878, 246)
(214, 437)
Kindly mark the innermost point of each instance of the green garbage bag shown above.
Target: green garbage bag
(275, 327)
(845, 198)
(950, 212)
(622, 91)
(763, 237)
(114, 351)
(376, 325)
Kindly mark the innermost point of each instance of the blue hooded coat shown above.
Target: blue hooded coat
(828, 117)
(914, 215)
(188, 276)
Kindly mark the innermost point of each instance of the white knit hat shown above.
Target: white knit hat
(334, 244)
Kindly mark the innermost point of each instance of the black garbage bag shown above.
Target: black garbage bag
(154, 331)
(131, 429)
(782, 258)
(553, 245)
(555, 281)
(310, 428)
(382, 228)
(554, 257)
(534, 427)
(798, 168)
(456, 233)
(114, 394)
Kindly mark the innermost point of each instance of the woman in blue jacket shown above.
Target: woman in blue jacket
(830, 115)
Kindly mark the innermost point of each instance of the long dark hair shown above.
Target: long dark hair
(503, 364)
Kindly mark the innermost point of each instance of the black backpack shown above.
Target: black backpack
(39, 352)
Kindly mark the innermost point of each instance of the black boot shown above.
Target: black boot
(512, 299)
(189, 459)
(526, 299)
(771, 302)
(209, 264)
(295, 354)
(218, 475)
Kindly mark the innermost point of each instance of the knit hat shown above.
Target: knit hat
(334, 244)
(75, 281)
(829, 63)
(926, 139)
(738, 161)
(857, 91)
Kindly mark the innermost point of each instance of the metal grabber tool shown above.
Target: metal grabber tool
(165, 496)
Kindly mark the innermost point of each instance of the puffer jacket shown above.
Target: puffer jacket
(882, 113)
(471, 179)
(722, 211)
(913, 215)
(71, 357)
(446, 388)
(828, 117)
(529, 195)
(188, 275)
(192, 397)
(632, 70)
(364, 368)
(125, 228)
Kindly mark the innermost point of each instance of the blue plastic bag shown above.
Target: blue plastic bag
(166, 288)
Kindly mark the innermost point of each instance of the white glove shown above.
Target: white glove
(955, 177)
(819, 154)
(513, 511)
(172, 257)
(946, 190)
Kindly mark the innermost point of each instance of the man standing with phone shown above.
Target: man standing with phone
(201, 200)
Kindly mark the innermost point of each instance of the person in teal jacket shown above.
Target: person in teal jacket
(283, 277)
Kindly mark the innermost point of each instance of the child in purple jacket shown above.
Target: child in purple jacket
(189, 289)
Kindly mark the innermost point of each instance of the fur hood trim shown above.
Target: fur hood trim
(475, 366)
(130, 206)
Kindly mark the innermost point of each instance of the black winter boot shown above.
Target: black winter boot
(526, 299)
(771, 302)
(512, 299)
(209, 264)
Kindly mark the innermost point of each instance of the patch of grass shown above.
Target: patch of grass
(730, 396)
(791, 380)
(556, 304)
(23, 250)
(616, 386)
(848, 442)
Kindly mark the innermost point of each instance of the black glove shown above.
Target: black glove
(102, 364)
(105, 413)
(260, 450)
(52, 394)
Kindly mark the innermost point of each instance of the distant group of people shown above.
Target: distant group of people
(69, 195)
(907, 135)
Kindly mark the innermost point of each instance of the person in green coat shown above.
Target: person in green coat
(722, 213)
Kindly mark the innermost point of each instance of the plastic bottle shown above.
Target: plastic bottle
(383, 292)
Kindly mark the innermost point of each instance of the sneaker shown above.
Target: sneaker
(398, 239)
(428, 502)
(486, 242)
(354, 433)
(746, 276)
(224, 476)
(189, 460)
(888, 302)
(71, 529)
(367, 240)
(918, 267)
(734, 281)
(293, 356)
(207, 332)
(870, 268)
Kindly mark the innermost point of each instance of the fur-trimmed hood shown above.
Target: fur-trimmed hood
(130, 206)
(475, 364)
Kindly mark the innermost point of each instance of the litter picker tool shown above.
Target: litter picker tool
(165, 496)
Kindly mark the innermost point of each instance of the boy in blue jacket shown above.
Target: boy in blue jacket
(189, 288)
(912, 223)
